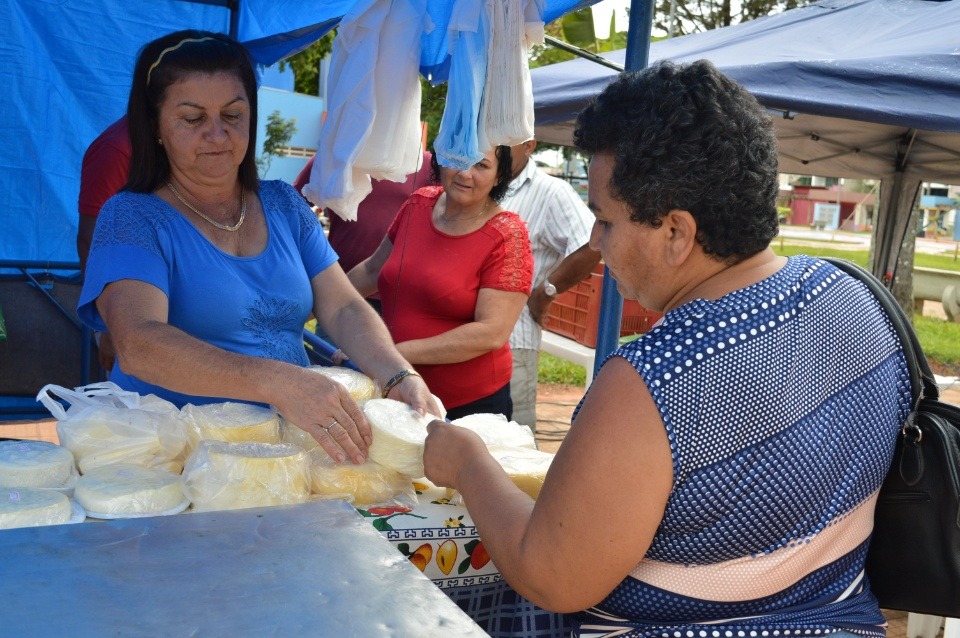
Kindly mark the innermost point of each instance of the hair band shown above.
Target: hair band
(173, 48)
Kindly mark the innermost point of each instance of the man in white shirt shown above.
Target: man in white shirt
(559, 225)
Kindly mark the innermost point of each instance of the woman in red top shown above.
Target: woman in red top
(453, 273)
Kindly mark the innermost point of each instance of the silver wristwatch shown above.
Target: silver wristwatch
(549, 289)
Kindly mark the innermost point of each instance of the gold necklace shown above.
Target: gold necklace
(235, 227)
(447, 220)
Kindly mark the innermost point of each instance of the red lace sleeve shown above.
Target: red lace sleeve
(511, 267)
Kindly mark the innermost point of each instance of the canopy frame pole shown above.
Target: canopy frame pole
(582, 53)
(611, 303)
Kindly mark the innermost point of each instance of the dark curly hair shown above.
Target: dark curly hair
(163, 62)
(687, 137)
(504, 172)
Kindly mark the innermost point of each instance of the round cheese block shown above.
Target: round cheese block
(494, 429)
(128, 491)
(526, 468)
(32, 507)
(398, 436)
(360, 386)
(233, 422)
(106, 435)
(35, 464)
(363, 484)
(221, 475)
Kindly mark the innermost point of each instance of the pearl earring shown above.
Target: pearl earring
(159, 141)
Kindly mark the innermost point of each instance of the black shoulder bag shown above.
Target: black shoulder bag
(914, 558)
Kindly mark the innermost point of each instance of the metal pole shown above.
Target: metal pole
(611, 303)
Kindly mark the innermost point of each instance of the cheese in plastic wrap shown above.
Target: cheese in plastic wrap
(130, 491)
(33, 507)
(360, 386)
(398, 435)
(36, 464)
(366, 484)
(225, 476)
(151, 435)
(495, 430)
(231, 421)
(526, 468)
(292, 435)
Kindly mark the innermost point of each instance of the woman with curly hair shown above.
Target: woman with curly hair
(720, 475)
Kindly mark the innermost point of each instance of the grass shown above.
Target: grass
(555, 370)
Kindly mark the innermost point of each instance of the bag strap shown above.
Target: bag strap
(923, 383)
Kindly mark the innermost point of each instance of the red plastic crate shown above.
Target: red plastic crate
(575, 313)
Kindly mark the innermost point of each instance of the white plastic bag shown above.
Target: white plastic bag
(495, 430)
(367, 484)
(106, 425)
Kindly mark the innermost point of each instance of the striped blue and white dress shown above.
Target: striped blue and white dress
(782, 402)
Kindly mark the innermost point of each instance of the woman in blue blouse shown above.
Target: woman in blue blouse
(204, 275)
(720, 475)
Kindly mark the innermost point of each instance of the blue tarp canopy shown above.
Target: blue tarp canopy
(65, 75)
(858, 88)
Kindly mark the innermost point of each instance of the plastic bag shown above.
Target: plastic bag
(36, 464)
(458, 144)
(526, 468)
(360, 386)
(398, 435)
(506, 116)
(224, 476)
(130, 491)
(495, 430)
(230, 421)
(106, 425)
(366, 484)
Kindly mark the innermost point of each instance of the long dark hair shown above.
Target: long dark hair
(164, 62)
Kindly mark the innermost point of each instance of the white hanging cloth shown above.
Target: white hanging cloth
(506, 115)
(372, 127)
(456, 144)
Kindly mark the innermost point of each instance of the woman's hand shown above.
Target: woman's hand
(325, 409)
(413, 390)
(449, 448)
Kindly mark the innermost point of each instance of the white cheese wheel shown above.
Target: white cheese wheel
(233, 422)
(360, 386)
(526, 468)
(222, 476)
(494, 429)
(363, 484)
(292, 435)
(398, 435)
(32, 507)
(123, 490)
(105, 435)
(35, 464)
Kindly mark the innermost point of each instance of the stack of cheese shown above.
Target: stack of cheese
(221, 475)
(151, 435)
(232, 422)
(514, 447)
(129, 491)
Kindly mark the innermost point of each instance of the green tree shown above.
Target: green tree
(693, 16)
(306, 65)
(279, 133)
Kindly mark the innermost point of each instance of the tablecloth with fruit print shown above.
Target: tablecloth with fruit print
(438, 536)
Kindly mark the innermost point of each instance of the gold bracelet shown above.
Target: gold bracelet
(397, 378)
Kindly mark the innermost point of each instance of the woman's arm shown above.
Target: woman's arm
(496, 313)
(360, 332)
(364, 275)
(601, 503)
(156, 352)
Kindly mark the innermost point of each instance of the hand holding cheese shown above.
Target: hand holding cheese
(447, 449)
(398, 436)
